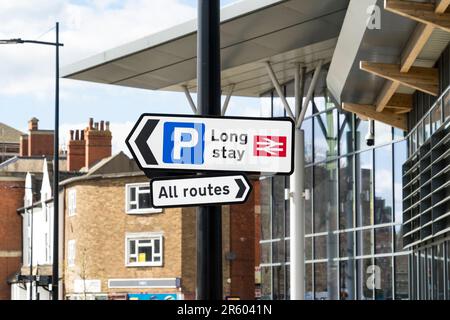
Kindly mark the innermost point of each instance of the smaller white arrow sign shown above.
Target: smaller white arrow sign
(202, 190)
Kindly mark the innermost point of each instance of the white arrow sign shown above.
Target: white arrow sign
(201, 190)
(192, 143)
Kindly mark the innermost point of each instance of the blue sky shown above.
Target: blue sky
(87, 27)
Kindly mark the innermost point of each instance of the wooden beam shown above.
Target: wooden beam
(422, 12)
(441, 6)
(415, 44)
(386, 116)
(419, 78)
(401, 101)
(386, 94)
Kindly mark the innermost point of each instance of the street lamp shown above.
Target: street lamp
(57, 44)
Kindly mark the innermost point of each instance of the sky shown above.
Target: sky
(87, 27)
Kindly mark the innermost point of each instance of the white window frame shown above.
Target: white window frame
(72, 205)
(128, 209)
(71, 249)
(144, 236)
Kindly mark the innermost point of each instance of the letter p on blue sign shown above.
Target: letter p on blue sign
(183, 142)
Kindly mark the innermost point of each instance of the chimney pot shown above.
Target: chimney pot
(81, 134)
(33, 124)
(77, 134)
(102, 125)
(107, 125)
(71, 134)
(91, 123)
(96, 125)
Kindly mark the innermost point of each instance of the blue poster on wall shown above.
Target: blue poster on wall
(152, 296)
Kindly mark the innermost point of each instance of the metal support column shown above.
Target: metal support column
(297, 203)
(209, 218)
(227, 100)
(189, 99)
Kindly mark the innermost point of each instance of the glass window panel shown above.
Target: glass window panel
(320, 281)
(366, 277)
(325, 197)
(383, 240)
(308, 281)
(145, 254)
(346, 193)
(436, 119)
(157, 246)
(347, 280)
(426, 127)
(288, 282)
(383, 185)
(325, 135)
(429, 273)
(133, 194)
(446, 105)
(144, 200)
(439, 265)
(383, 133)
(420, 135)
(364, 239)
(448, 269)
(278, 109)
(266, 106)
(320, 247)
(133, 206)
(308, 248)
(132, 246)
(278, 251)
(400, 156)
(287, 255)
(399, 134)
(279, 283)
(346, 143)
(279, 207)
(266, 208)
(308, 137)
(361, 132)
(346, 244)
(266, 252)
(308, 202)
(383, 287)
(266, 283)
(364, 167)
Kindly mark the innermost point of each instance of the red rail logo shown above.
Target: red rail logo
(269, 146)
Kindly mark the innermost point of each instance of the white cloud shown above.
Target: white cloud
(85, 30)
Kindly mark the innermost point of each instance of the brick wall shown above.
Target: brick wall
(10, 233)
(242, 232)
(99, 228)
(40, 143)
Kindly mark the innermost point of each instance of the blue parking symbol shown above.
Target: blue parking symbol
(183, 142)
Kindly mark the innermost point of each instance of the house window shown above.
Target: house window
(144, 249)
(138, 198)
(72, 202)
(71, 253)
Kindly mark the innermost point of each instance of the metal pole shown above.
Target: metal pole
(312, 86)
(55, 273)
(209, 219)
(279, 90)
(189, 99)
(227, 100)
(297, 203)
(31, 247)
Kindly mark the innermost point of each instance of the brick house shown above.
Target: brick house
(9, 142)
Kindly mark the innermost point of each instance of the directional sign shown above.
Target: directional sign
(192, 143)
(199, 190)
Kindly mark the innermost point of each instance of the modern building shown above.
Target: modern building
(374, 95)
(9, 142)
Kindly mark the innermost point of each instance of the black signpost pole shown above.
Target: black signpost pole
(209, 220)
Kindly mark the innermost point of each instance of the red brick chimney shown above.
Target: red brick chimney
(98, 142)
(36, 142)
(23, 145)
(76, 152)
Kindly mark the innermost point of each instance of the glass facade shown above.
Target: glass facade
(353, 219)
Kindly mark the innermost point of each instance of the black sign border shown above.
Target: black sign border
(200, 177)
(150, 171)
